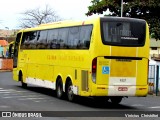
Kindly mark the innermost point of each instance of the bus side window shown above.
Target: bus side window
(52, 38)
(24, 42)
(32, 39)
(85, 37)
(73, 37)
(62, 38)
(42, 40)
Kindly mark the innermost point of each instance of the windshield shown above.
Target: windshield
(123, 32)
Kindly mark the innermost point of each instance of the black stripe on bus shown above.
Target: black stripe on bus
(119, 57)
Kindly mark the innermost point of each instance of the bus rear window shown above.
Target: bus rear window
(123, 33)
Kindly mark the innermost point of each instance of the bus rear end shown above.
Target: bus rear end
(121, 65)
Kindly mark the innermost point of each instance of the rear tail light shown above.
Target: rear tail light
(94, 69)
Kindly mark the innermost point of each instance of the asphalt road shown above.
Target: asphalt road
(15, 98)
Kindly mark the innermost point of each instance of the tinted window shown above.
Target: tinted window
(32, 36)
(73, 37)
(127, 33)
(85, 36)
(52, 38)
(25, 41)
(62, 38)
(29, 40)
(16, 48)
(42, 39)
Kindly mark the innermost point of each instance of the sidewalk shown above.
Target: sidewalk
(5, 70)
(154, 94)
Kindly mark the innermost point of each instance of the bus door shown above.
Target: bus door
(15, 56)
(16, 49)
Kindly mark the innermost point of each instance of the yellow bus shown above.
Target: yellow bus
(103, 58)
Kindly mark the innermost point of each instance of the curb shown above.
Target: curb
(5, 70)
(154, 94)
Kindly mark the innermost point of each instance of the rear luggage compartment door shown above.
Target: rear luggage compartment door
(116, 71)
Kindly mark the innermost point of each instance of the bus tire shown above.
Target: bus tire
(24, 85)
(59, 88)
(70, 94)
(116, 99)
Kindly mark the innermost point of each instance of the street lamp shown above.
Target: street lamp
(7, 33)
(121, 8)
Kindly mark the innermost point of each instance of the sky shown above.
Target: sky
(10, 10)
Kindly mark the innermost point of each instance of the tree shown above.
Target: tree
(34, 17)
(143, 9)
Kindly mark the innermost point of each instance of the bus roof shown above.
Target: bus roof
(68, 23)
(59, 24)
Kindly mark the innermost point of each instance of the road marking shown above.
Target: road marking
(17, 90)
(10, 94)
(20, 91)
(35, 98)
(4, 106)
(154, 107)
(23, 96)
(5, 92)
(31, 98)
(137, 105)
(6, 97)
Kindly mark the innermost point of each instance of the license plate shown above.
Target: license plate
(122, 89)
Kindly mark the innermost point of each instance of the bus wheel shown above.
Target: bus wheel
(24, 85)
(59, 89)
(115, 99)
(70, 94)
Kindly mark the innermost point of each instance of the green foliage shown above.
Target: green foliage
(143, 9)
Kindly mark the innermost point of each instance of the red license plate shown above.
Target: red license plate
(122, 89)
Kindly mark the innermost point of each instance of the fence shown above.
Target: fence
(6, 64)
(153, 79)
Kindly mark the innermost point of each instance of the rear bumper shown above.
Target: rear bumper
(104, 90)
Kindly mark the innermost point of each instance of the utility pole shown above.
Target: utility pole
(121, 8)
(7, 33)
(157, 81)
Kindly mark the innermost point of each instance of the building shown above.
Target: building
(8, 35)
(154, 49)
(153, 63)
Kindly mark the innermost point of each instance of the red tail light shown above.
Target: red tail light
(94, 69)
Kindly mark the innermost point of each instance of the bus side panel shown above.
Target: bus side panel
(102, 78)
(15, 74)
(144, 51)
(142, 77)
(31, 70)
(22, 66)
(142, 72)
(48, 72)
(123, 51)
